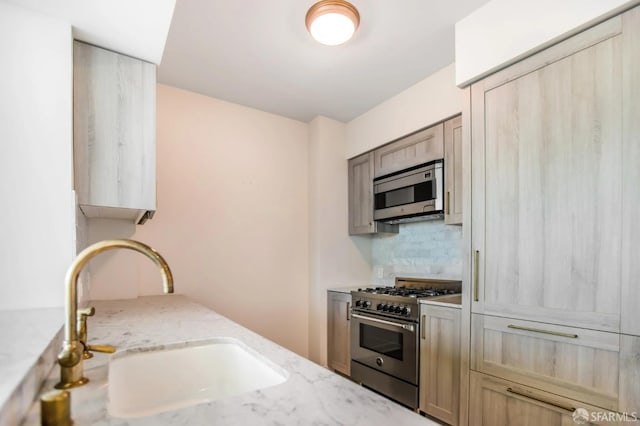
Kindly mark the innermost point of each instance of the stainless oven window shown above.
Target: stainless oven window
(410, 194)
(384, 342)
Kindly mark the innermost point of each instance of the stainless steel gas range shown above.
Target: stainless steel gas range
(385, 329)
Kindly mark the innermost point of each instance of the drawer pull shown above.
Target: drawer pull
(539, 330)
(544, 401)
(348, 311)
(476, 265)
(422, 325)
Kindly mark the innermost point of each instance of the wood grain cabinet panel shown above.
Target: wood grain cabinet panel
(339, 332)
(453, 171)
(440, 362)
(418, 148)
(547, 153)
(114, 133)
(554, 148)
(497, 402)
(580, 364)
(361, 201)
(630, 316)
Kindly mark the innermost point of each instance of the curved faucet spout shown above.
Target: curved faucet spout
(70, 357)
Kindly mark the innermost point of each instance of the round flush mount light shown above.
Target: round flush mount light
(332, 22)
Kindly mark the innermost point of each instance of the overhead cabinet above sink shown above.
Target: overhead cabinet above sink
(114, 134)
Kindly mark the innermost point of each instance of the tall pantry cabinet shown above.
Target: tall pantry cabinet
(555, 202)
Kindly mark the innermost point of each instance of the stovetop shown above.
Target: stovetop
(415, 292)
(401, 301)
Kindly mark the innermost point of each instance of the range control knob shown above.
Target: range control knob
(380, 306)
(358, 303)
(398, 309)
(406, 311)
(385, 307)
(366, 304)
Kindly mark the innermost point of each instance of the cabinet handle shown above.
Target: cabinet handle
(447, 197)
(539, 330)
(539, 399)
(348, 311)
(422, 322)
(476, 263)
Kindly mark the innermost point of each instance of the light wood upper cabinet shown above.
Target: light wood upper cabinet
(339, 332)
(417, 148)
(453, 171)
(361, 198)
(440, 362)
(547, 184)
(114, 134)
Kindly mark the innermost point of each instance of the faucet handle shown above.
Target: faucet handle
(82, 335)
(106, 349)
(82, 329)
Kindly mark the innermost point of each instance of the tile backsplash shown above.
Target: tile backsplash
(428, 249)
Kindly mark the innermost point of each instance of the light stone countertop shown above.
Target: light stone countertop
(312, 395)
(453, 301)
(26, 335)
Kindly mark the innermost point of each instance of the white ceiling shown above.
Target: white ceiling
(136, 28)
(258, 53)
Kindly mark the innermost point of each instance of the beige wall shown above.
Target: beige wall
(232, 217)
(38, 207)
(252, 209)
(427, 102)
(336, 260)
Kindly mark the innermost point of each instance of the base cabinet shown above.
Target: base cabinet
(339, 332)
(440, 362)
(498, 402)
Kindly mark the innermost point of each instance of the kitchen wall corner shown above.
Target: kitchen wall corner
(336, 260)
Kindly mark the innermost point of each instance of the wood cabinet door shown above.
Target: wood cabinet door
(361, 195)
(497, 402)
(547, 184)
(114, 132)
(453, 171)
(581, 364)
(440, 362)
(412, 150)
(361, 202)
(339, 332)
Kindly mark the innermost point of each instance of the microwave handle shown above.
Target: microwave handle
(409, 327)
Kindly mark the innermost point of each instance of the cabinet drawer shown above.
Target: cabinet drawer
(420, 147)
(497, 402)
(578, 363)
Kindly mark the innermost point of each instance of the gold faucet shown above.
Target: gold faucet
(71, 357)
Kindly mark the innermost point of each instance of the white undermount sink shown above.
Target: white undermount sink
(146, 381)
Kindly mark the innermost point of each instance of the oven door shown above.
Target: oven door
(387, 345)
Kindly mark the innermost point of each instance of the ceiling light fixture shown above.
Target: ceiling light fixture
(332, 22)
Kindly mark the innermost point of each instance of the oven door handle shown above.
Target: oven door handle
(409, 327)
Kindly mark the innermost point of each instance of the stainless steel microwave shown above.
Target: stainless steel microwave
(411, 194)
